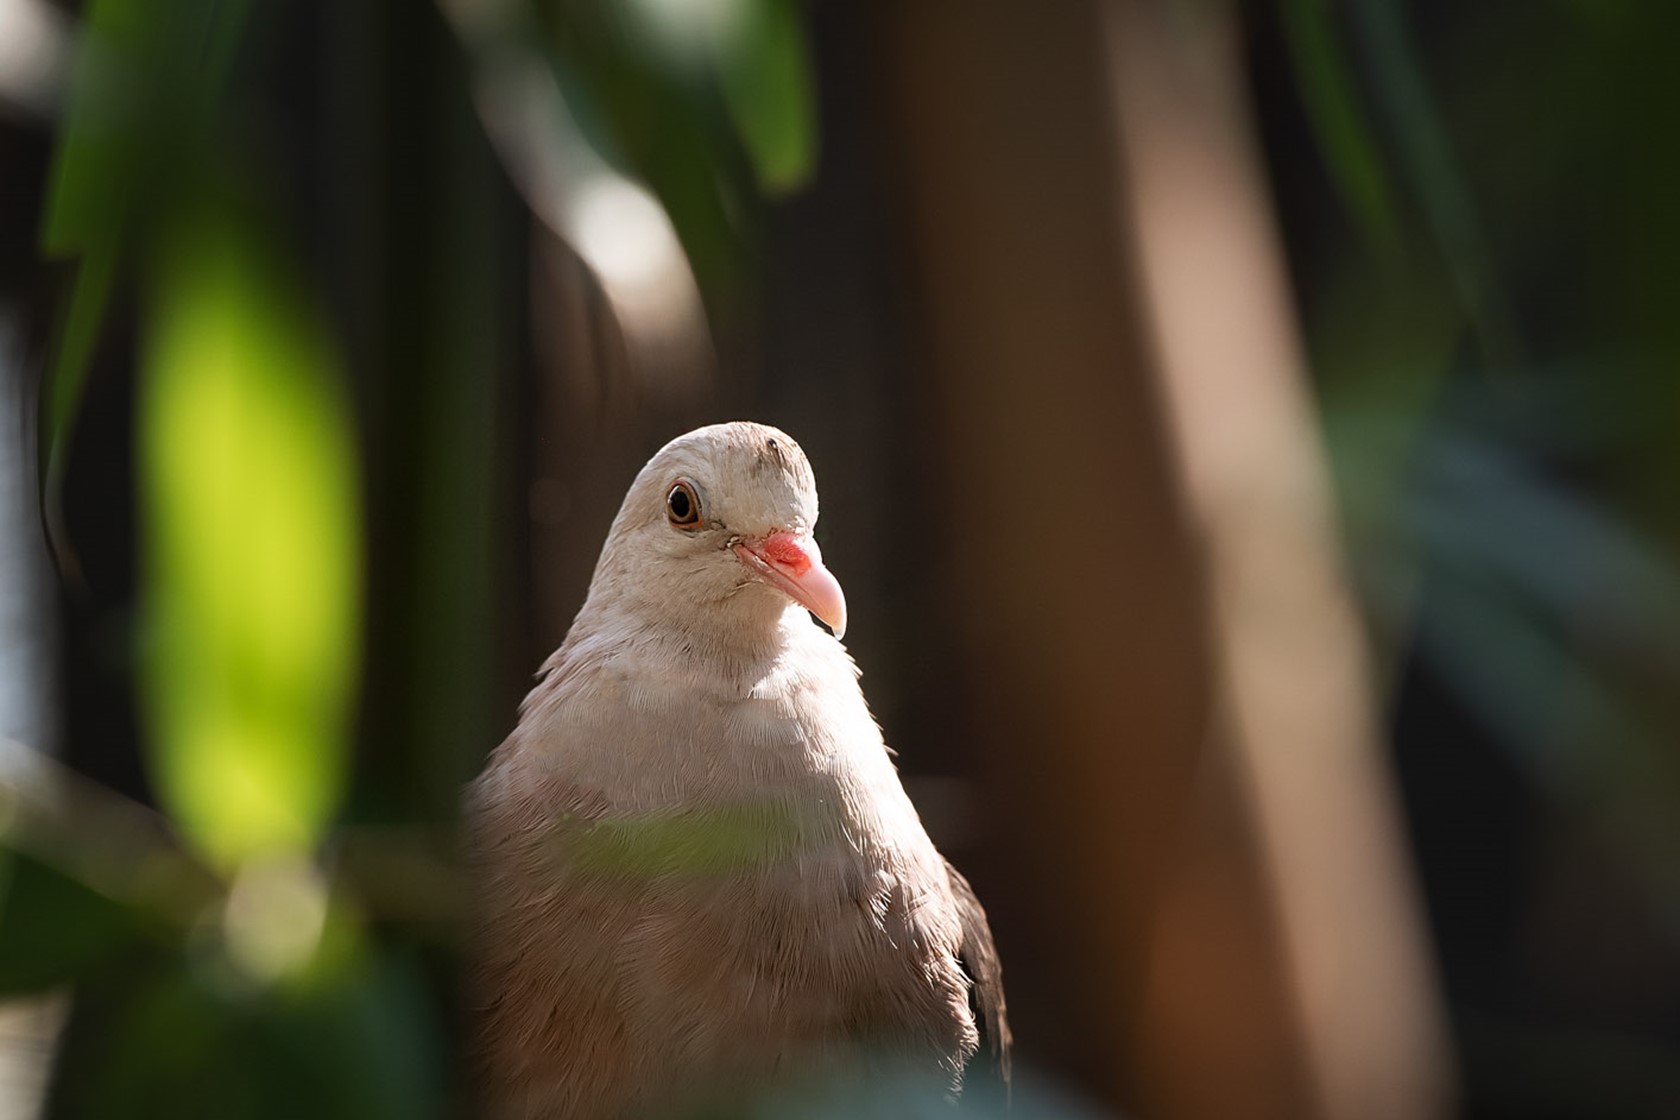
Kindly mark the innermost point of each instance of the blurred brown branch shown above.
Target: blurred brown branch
(1290, 666)
(1115, 365)
(115, 846)
(130, 854)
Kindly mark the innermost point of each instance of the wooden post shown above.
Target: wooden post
(1168, 663)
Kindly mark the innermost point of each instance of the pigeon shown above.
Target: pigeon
(696, 870)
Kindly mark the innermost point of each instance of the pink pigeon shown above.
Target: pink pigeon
(697, 870)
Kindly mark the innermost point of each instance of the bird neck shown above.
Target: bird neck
(741, 636)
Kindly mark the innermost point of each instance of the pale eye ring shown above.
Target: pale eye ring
(682, 504)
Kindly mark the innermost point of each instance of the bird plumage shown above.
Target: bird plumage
(696, 867)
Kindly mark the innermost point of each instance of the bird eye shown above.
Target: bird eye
(682, 505)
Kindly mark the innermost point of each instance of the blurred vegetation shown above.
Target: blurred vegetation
(1498, 380)
(1487, 273)
(295, 212)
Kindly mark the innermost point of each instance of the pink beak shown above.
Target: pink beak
(793, 565)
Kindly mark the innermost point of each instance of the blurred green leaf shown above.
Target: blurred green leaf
(147, 80)
(52, 928)
(712, 106)
(98, 161)
(159, 1051)
(766, 76)
(89, 295)
(102, 143)
(183, 1041)
(365, 1045)
(1424, 154)
(1338, 120)
(253, 554)
(700, 842)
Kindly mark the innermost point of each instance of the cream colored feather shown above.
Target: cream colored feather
(697, 869)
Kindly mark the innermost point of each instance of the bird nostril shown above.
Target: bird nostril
(786, 551)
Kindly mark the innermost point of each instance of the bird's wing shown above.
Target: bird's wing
(550, 1035)
(980, 958)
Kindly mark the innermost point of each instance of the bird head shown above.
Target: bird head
(718, 526)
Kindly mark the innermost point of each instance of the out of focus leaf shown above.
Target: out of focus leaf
(52, 928)
(185, 1042)
(146, 78)
(766, 77)
(364, 1045)
(97, 164)
(1338, 121)
(161, 1054)
(1531, 601)
(253, 554)
(1426, 158)
(147, 81)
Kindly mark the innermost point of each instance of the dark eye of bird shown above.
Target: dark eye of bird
(683, 505)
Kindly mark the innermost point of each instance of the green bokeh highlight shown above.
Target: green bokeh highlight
(252, 552)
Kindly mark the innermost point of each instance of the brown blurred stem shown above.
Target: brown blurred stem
(108, 843)
(130, 854)
(1168, 664)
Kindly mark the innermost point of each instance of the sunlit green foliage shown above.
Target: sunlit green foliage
(767, 86)
(253, 555)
